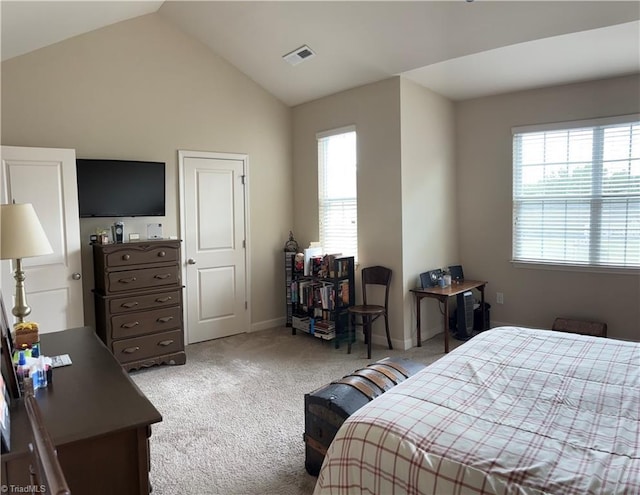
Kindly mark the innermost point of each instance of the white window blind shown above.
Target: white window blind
(337, 192)
(576, 193)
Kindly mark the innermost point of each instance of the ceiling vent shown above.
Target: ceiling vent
(299, 55)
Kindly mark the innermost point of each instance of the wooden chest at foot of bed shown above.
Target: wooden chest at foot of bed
(326, 408)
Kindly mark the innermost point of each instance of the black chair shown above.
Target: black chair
(373, 275)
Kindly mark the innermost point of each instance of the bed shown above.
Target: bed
(512, 411)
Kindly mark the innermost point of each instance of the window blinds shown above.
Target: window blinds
(576, 193)
(337, 192)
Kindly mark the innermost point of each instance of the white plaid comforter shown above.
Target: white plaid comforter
(512, 411)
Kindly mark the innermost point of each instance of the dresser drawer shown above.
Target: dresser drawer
(144, 322)
(140, 253)
(139, 348)
(128, 280)
(145, 301)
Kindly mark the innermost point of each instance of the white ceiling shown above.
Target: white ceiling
(459, 49)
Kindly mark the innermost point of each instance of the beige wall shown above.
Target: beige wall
(406, 204)
(141, 89)
(375, 111)
(429, 228)
(534, 297)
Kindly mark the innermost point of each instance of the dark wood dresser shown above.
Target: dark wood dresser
(98, 419)
(138, 300)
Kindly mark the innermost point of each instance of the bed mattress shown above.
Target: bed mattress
(512, 411)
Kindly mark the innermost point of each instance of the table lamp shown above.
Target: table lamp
(21, 236)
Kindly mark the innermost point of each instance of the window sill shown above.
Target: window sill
(611, 270)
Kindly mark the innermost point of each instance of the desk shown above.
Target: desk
(98, 419)
(443, 294)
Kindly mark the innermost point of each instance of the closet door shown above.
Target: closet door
(46, 177)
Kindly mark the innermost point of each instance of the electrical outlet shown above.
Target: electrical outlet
(499, 297)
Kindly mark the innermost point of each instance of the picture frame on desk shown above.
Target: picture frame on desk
(5, 418)
(457, 274)
(8, 370)
(430, 278)
(8, 381)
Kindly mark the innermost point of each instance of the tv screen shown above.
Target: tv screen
(120, 188)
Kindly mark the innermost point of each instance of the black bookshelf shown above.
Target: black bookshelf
(319, 301)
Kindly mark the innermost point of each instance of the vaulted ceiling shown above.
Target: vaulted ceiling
(457, 48)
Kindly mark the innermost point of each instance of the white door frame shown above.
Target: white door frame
(182, 154)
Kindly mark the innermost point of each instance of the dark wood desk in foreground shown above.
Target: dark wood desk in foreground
(98, 419)
(443, 294)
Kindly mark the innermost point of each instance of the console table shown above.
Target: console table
(443, 294)
(98, 419)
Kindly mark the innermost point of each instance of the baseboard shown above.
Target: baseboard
(267, 324)
(432, 332)
(381, 340)
(406, 344)
(403, 344)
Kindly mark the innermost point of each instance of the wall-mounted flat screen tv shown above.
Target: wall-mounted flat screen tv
(120, 188)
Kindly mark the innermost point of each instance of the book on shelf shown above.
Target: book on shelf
(327, 297)
(325, 336)
(325, 325)
(300, 323)
(316, 266)
(308, 254)
(306, 294)
(344, 292)
(327, 269)
(325, 329)
(343, 267)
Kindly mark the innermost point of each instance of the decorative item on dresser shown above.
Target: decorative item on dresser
(138, 300)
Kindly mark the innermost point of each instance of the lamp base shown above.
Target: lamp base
(21, 309)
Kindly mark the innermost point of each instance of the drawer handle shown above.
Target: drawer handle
(127, 280)
(162, 277)
(163, 299)
(131, 350)
(165, 343)
(162, 254)
(126, 257)
(164, 319)
(128, 305)
(130, 325)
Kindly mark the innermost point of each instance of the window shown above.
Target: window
(337, 192)
(576, 193)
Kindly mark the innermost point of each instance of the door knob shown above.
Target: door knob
(76, 276)
(191, 261)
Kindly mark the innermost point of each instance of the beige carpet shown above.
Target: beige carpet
(233, 416)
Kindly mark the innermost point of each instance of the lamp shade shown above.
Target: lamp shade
(21, 234)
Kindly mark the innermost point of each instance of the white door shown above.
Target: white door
(213, 227)
(46, 178)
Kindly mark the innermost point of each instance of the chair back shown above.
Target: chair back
(45, 470)
(376, 275)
